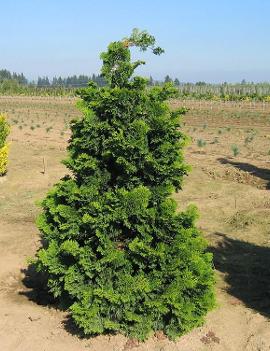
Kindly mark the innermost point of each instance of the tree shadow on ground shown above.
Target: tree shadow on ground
(262, 173)
(36, 287)
(36, 290)
(247, 271)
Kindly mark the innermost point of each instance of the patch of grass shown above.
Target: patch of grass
(235, 150)
(240, 220)
(201, 143)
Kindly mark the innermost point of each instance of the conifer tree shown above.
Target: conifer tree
(167, 79)
(115, 249)
(176, 82)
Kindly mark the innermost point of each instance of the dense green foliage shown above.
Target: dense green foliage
(115, 250)
(4, 131)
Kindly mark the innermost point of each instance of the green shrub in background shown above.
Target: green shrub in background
(4, 131)
(115, 250)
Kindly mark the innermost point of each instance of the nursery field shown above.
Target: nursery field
(229, 151)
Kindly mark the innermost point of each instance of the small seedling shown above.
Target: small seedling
(235, 150)
(249, 139)
(201, 143)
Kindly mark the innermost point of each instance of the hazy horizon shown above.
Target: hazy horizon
(209, 41)
(34, 79)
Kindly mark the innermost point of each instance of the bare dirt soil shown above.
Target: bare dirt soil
(232, 193)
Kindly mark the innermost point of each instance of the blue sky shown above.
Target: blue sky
(204, 40)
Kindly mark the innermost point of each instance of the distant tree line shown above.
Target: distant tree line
(14, 83)
(7, 75)
(70, 81)
(167, 79)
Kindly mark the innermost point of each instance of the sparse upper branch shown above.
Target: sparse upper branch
(143, 40)
(117, 66)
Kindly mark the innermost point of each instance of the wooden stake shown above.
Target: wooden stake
(44, 165)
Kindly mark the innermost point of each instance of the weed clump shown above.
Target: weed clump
(240, 220)
(201, 143)
(235, 150)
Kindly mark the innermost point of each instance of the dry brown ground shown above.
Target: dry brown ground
(232, 194)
